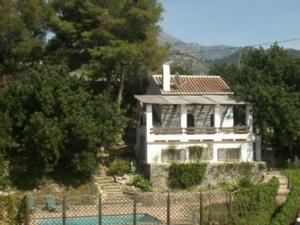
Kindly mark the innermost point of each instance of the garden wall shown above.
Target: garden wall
(215, 173)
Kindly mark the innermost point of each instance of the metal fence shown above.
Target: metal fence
(172, 208)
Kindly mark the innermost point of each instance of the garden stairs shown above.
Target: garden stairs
(106, 184)
(283, 190)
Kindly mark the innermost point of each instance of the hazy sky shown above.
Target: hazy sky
(233, 22)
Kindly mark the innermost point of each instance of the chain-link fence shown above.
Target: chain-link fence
(172, 208)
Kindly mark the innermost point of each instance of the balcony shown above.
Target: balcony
(199, 130)
(166, 130)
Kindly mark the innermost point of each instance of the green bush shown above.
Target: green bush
(186, 175)
(142, 183)
(290, 209)
(119, 167)
(255, 205)
(243, 182)
(196, 151)
(4, 178)
(11, 210)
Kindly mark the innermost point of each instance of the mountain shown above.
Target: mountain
(201, 51)
(197, 59)
(193, 57)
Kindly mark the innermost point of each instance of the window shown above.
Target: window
(206, 155)
(156, 115)
(190, 120)
(239, 115)
(229, 154)
(171, 155)
(212, 120)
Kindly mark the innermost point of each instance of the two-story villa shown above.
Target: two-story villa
(179, 111)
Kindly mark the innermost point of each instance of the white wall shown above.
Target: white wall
(154, 150)
(226, 113)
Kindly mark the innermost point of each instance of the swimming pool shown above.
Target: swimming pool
(93, 220)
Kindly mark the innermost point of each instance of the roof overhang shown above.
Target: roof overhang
(188, 99)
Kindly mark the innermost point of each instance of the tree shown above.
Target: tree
(270, 79)
(108, 39)
(57, 123)
(23, 27)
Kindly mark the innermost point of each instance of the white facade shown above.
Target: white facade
(202, 119)
(153, 144)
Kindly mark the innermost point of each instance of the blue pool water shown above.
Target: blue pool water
(93, 220)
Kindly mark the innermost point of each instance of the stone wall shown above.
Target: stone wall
(225, 172)
(215, 173)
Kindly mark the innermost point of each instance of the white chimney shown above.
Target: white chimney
(166, 77)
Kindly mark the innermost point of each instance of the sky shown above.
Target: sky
(233, 22)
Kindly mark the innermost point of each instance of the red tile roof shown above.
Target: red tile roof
(194, 84)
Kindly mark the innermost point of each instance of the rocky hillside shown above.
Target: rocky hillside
(198, 59)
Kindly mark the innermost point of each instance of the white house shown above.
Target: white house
(179, 111)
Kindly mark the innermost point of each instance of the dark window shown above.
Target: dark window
(212, 120)
(239, 115)
(190, 120)
(156, 115)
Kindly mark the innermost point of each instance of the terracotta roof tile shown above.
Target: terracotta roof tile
(195, 84)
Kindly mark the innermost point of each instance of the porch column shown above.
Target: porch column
(183, 122)
(258, 148)
(217, 137)
(149, 122)
(217, 116)
(249, 118)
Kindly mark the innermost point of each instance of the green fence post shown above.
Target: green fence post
(201, 208)
(168, 208)
(134, 209)
(100, 210)
(64, 219)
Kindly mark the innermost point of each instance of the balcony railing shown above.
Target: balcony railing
(199, 130)
(236, 130)
(166, 130)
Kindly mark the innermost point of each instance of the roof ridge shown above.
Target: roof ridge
(194, 75)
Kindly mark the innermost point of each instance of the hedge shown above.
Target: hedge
(288, 212)
(186, 175)
(119, 167)
(12, 210)
(255, 205)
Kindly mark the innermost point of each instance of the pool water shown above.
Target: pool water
(94, 220)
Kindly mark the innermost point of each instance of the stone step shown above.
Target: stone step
(112, 190)
(111, 185)
(104, 179)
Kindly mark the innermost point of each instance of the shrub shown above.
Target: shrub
(119, 167)
(255, 205)
(243, 182)
(4, 178)
(11, 210)
(290, 209)
(142, 183)
(186, 175)
(196, 152)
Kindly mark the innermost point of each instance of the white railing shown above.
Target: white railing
(199, 130)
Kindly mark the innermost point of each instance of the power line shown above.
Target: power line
(236, 48)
